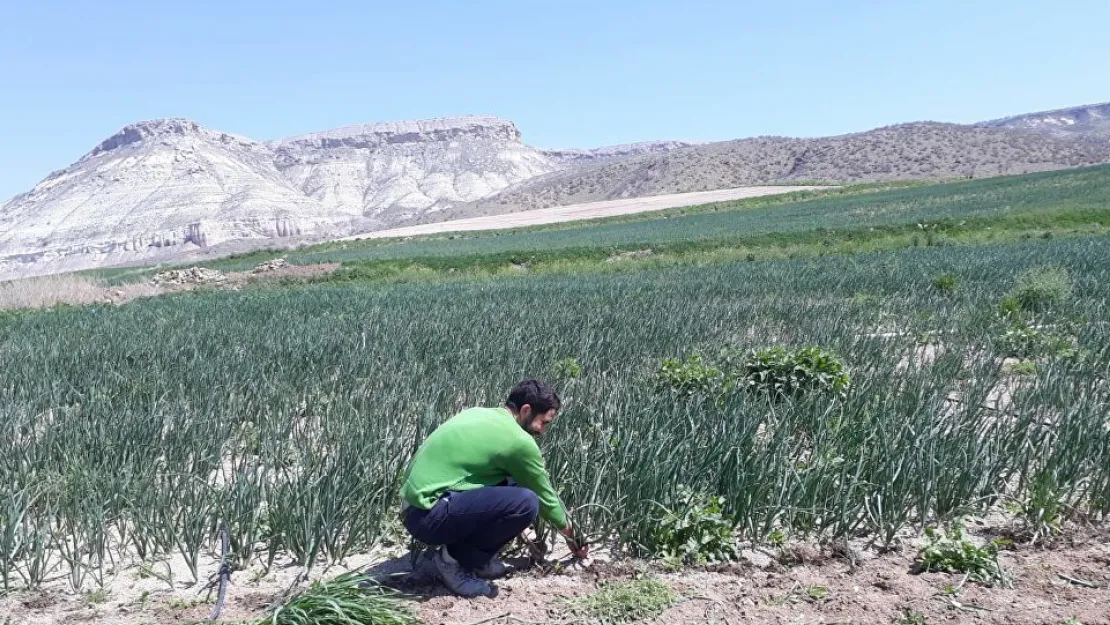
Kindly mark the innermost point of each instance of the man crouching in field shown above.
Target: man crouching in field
(478, 481)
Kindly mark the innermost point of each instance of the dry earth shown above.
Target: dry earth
(575, 212)
(75, 289)
(799, 584)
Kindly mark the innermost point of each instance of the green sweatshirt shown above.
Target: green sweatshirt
(475, 448)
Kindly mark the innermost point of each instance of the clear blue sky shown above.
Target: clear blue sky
(570, 74)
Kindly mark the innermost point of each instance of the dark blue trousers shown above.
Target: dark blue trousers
(474, 524)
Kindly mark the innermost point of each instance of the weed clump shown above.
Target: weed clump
(690, 376)
(1044, 509)
(623, 602)
(1025, 367)
(775, 371)
(1022, 340)
(567, 368)
(1028, 330)
(910, 617)
(695, 530)
(945, 283)
(779, 371)
(951, 552)
(1040, 288)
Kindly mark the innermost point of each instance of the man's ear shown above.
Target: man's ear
(526, 412)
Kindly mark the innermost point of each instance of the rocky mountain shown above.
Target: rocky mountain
(155, 189)
(908, 151)
(166, 188)
(1090, 120)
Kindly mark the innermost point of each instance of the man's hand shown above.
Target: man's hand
(577, 543)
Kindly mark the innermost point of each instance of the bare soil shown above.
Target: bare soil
(239, 279)
(73, 289)
(1069, 580)
(575, 212)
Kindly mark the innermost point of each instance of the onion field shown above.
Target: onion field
(133, 432)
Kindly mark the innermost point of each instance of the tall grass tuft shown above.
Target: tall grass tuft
(344, 600)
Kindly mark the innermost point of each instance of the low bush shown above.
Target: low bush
(779, 371)
(690, 376)
(695, 530)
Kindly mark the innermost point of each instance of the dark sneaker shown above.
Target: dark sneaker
(458, 580)
(494, 569)
(424, 568)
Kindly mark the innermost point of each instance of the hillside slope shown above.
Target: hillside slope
(910, 151)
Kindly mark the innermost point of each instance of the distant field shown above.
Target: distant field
(1072, 201)
(851, 220)
(1033, 196)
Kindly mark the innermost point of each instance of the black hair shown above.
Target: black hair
(534, 393)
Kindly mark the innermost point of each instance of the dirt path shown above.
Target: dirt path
(78, 290)
(880, 589)
(575, 212)
(803, 585)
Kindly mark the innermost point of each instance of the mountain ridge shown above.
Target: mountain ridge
(913, 150)
(1092, 119)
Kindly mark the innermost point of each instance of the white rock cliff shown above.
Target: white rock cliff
(159, 189)
(394, 171)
